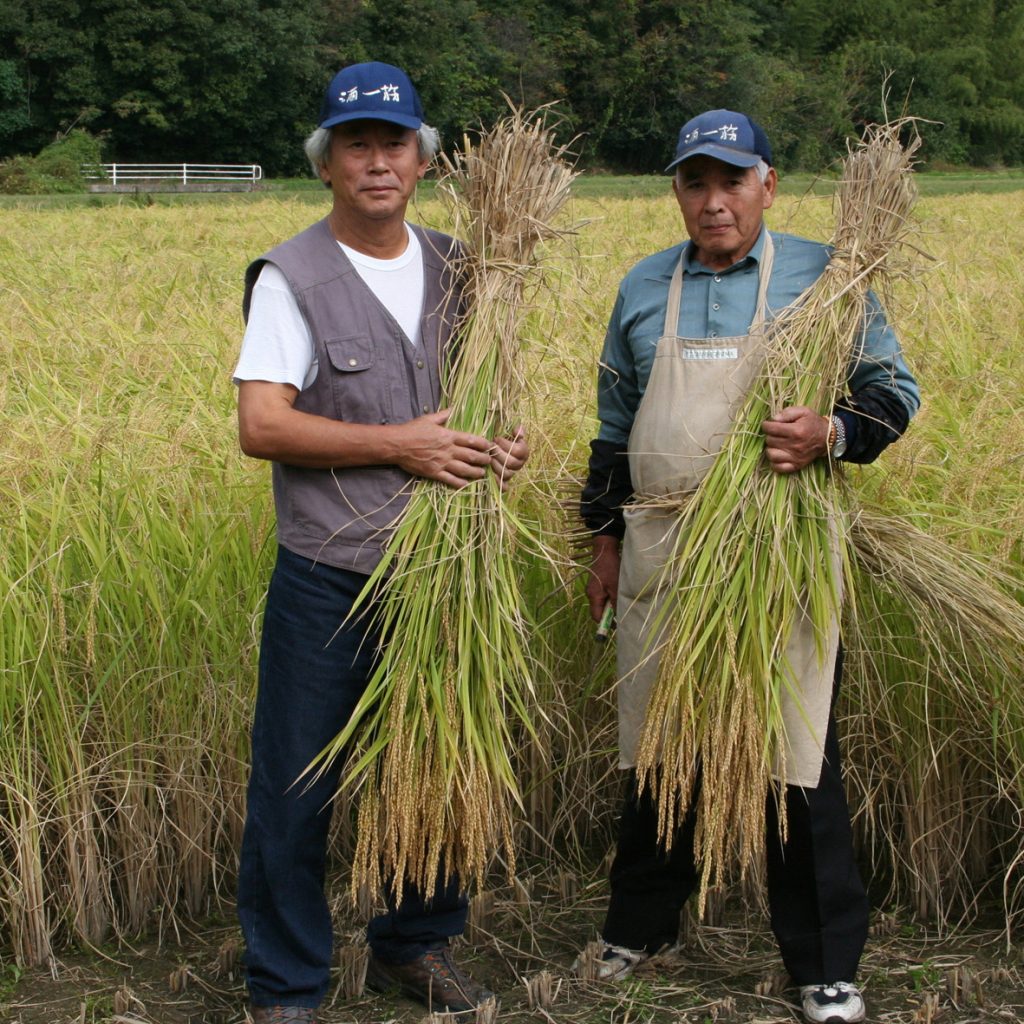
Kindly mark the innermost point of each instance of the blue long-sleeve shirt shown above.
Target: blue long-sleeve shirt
(883, 393)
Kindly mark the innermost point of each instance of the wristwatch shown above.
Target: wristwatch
(837, 438)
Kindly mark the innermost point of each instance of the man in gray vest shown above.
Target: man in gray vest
(348, 324)
(684, 341)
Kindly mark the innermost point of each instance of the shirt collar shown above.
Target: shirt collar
(693, 266)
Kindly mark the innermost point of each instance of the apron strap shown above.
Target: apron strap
(675, 294)
(767, 262)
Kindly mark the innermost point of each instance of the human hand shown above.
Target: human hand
(603, 581)
(510, 457)
(427, 448)
(795, 438)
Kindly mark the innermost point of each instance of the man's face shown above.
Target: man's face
(372, 168)
(723, 208)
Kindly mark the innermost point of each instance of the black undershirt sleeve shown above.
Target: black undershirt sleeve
(874, 418)
(608, 488)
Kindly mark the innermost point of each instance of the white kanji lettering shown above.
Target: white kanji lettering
(387, 93)
(692, 136)
(348, 97)
(727, 133)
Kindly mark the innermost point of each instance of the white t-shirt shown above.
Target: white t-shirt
(277, 345)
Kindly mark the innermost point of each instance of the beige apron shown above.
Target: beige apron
(696, 389)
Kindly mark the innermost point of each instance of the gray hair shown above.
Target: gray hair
(318, 145)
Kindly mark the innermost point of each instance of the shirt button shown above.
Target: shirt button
(716, 306)
(718, 278)
(384, 420)
(353, 362)
(713, 334)
(419, 363)
(426, 408)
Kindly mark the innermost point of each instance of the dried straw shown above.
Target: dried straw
(754, 549)
(951, 591)
(429, 744)
(936, 641)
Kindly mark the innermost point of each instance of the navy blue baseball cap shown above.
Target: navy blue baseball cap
(724, 134)
(376, 91)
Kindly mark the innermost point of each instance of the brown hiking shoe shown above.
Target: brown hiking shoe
(433, 979)
(283, 1015)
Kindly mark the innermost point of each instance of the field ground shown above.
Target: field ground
(727, 973)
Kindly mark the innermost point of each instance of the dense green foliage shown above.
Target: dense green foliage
(240, 80)
(57, 168)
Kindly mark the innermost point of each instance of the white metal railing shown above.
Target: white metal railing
(121, 174)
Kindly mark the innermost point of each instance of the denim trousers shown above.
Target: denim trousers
(819, 908)
(313, 669)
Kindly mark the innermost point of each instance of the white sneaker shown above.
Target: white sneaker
(836, 1003)
(610, 963)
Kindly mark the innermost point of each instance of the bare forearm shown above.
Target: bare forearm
(317, 442)
(269, 427)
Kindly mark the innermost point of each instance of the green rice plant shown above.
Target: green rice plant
(431, 740)
(936, 789)
(135, 549)
(131, 550)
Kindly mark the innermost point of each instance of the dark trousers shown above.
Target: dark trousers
(312, 672)
(819, 909)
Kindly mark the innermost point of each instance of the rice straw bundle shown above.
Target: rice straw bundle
(937, 640)
(755, 549)
(429, 744)
(950, 592)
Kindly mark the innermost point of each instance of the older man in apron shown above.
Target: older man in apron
(684, 344)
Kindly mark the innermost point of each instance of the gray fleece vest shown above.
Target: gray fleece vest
(368, 372)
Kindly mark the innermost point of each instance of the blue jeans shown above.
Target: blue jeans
(312, 672)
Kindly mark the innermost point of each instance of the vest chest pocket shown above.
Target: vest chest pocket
(361, 382)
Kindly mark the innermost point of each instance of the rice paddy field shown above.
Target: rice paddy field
(135, 546)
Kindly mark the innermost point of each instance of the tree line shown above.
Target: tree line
(241, 80)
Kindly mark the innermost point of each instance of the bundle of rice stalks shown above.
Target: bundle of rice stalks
(429, 744)
(755, 550)
(936, 642)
